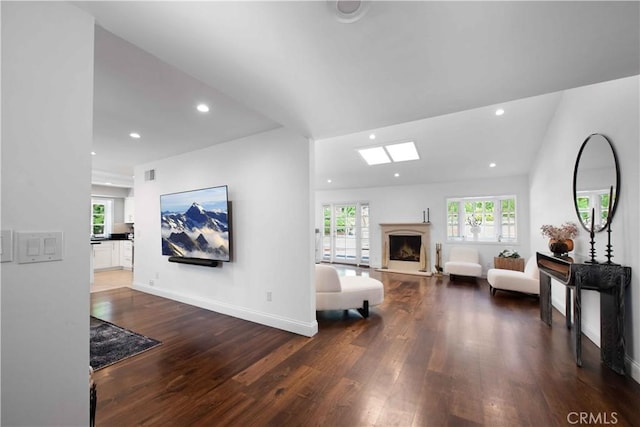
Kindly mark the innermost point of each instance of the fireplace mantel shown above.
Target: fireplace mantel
(417, 227)
(406, 229)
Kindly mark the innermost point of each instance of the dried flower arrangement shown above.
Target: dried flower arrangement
(566, 231)
(474, 221)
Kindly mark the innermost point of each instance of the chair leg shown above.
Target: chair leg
(364, 311)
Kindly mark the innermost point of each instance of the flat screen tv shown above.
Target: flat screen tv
(195, 224)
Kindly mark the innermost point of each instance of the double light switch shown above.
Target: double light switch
(39, 247)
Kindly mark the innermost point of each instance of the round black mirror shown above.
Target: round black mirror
(596, 183)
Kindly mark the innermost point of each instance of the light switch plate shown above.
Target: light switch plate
(6, 245)
(39, 246)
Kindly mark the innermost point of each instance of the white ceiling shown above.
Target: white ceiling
(432, 72)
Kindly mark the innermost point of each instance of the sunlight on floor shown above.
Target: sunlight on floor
(105, 280)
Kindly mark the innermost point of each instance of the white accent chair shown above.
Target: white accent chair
(463, 261)
(343, 293)
(527, 281)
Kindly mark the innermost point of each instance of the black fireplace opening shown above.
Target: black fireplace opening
(404, 248)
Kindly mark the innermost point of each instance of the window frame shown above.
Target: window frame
(107, 217)
(458, 230)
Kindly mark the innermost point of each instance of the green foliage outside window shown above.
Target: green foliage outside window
(98, 214)
(486, 219)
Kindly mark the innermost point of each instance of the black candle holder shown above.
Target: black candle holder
(592, 251)
(609, 250)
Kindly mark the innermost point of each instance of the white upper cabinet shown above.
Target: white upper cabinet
(129, 210)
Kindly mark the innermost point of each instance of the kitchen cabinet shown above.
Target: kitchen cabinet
(126, 254)
(129, 210)
(115, 253)
(106, 255)
(102, 255)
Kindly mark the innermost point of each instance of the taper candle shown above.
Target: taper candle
(593, 216)
(610, 202)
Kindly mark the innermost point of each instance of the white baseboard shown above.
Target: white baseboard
(267, 319)
(633, 368)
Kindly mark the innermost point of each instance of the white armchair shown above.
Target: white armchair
(527, 282)
(463, 261)
(343, 293)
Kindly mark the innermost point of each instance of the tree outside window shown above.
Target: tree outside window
(101, 217)
(98, 216)
(345, 236)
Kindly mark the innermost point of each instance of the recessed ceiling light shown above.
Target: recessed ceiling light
(374, 156)
(402, 152)
(348, 11)
(134, 135)
(329, 181)
(396, 174)
(492, 165)
(93, 153)
(203, 108)
(499, 112)
(108, 183)
(372, 136)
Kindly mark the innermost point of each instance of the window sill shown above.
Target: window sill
(483, 242)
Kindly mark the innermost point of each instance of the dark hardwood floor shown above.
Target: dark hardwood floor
(434, 353)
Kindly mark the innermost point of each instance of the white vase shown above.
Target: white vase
(475, 230)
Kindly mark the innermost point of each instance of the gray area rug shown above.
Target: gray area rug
(110, 343)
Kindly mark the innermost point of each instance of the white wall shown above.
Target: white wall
(406, 203)
(47, 105)
(609, 108)
(268, 176)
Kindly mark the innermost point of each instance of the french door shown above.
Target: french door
(345, 236)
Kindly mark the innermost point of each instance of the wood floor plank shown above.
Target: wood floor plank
(435, 353)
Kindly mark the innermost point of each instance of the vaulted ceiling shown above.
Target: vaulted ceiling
(431, 72)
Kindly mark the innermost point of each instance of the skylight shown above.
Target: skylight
(390, 153)
(402, 152)
(374, 156)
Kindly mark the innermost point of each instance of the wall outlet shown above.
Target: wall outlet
(269, 296)
(151, 283)
(157, 275)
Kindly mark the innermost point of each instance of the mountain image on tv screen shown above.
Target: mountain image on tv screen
(195, 224)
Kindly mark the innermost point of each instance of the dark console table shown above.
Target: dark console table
(609, 280)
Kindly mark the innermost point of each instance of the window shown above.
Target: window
(98, 212)
(345, 233)
(486, 219)
(598, 200)
(101, 217)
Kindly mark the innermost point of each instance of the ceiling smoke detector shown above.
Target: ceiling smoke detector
(348, 11)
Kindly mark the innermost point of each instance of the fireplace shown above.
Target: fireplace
(405, 247)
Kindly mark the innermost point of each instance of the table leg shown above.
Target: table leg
(545, 299)
(612, 345)
(577, 322)
(567, 307)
